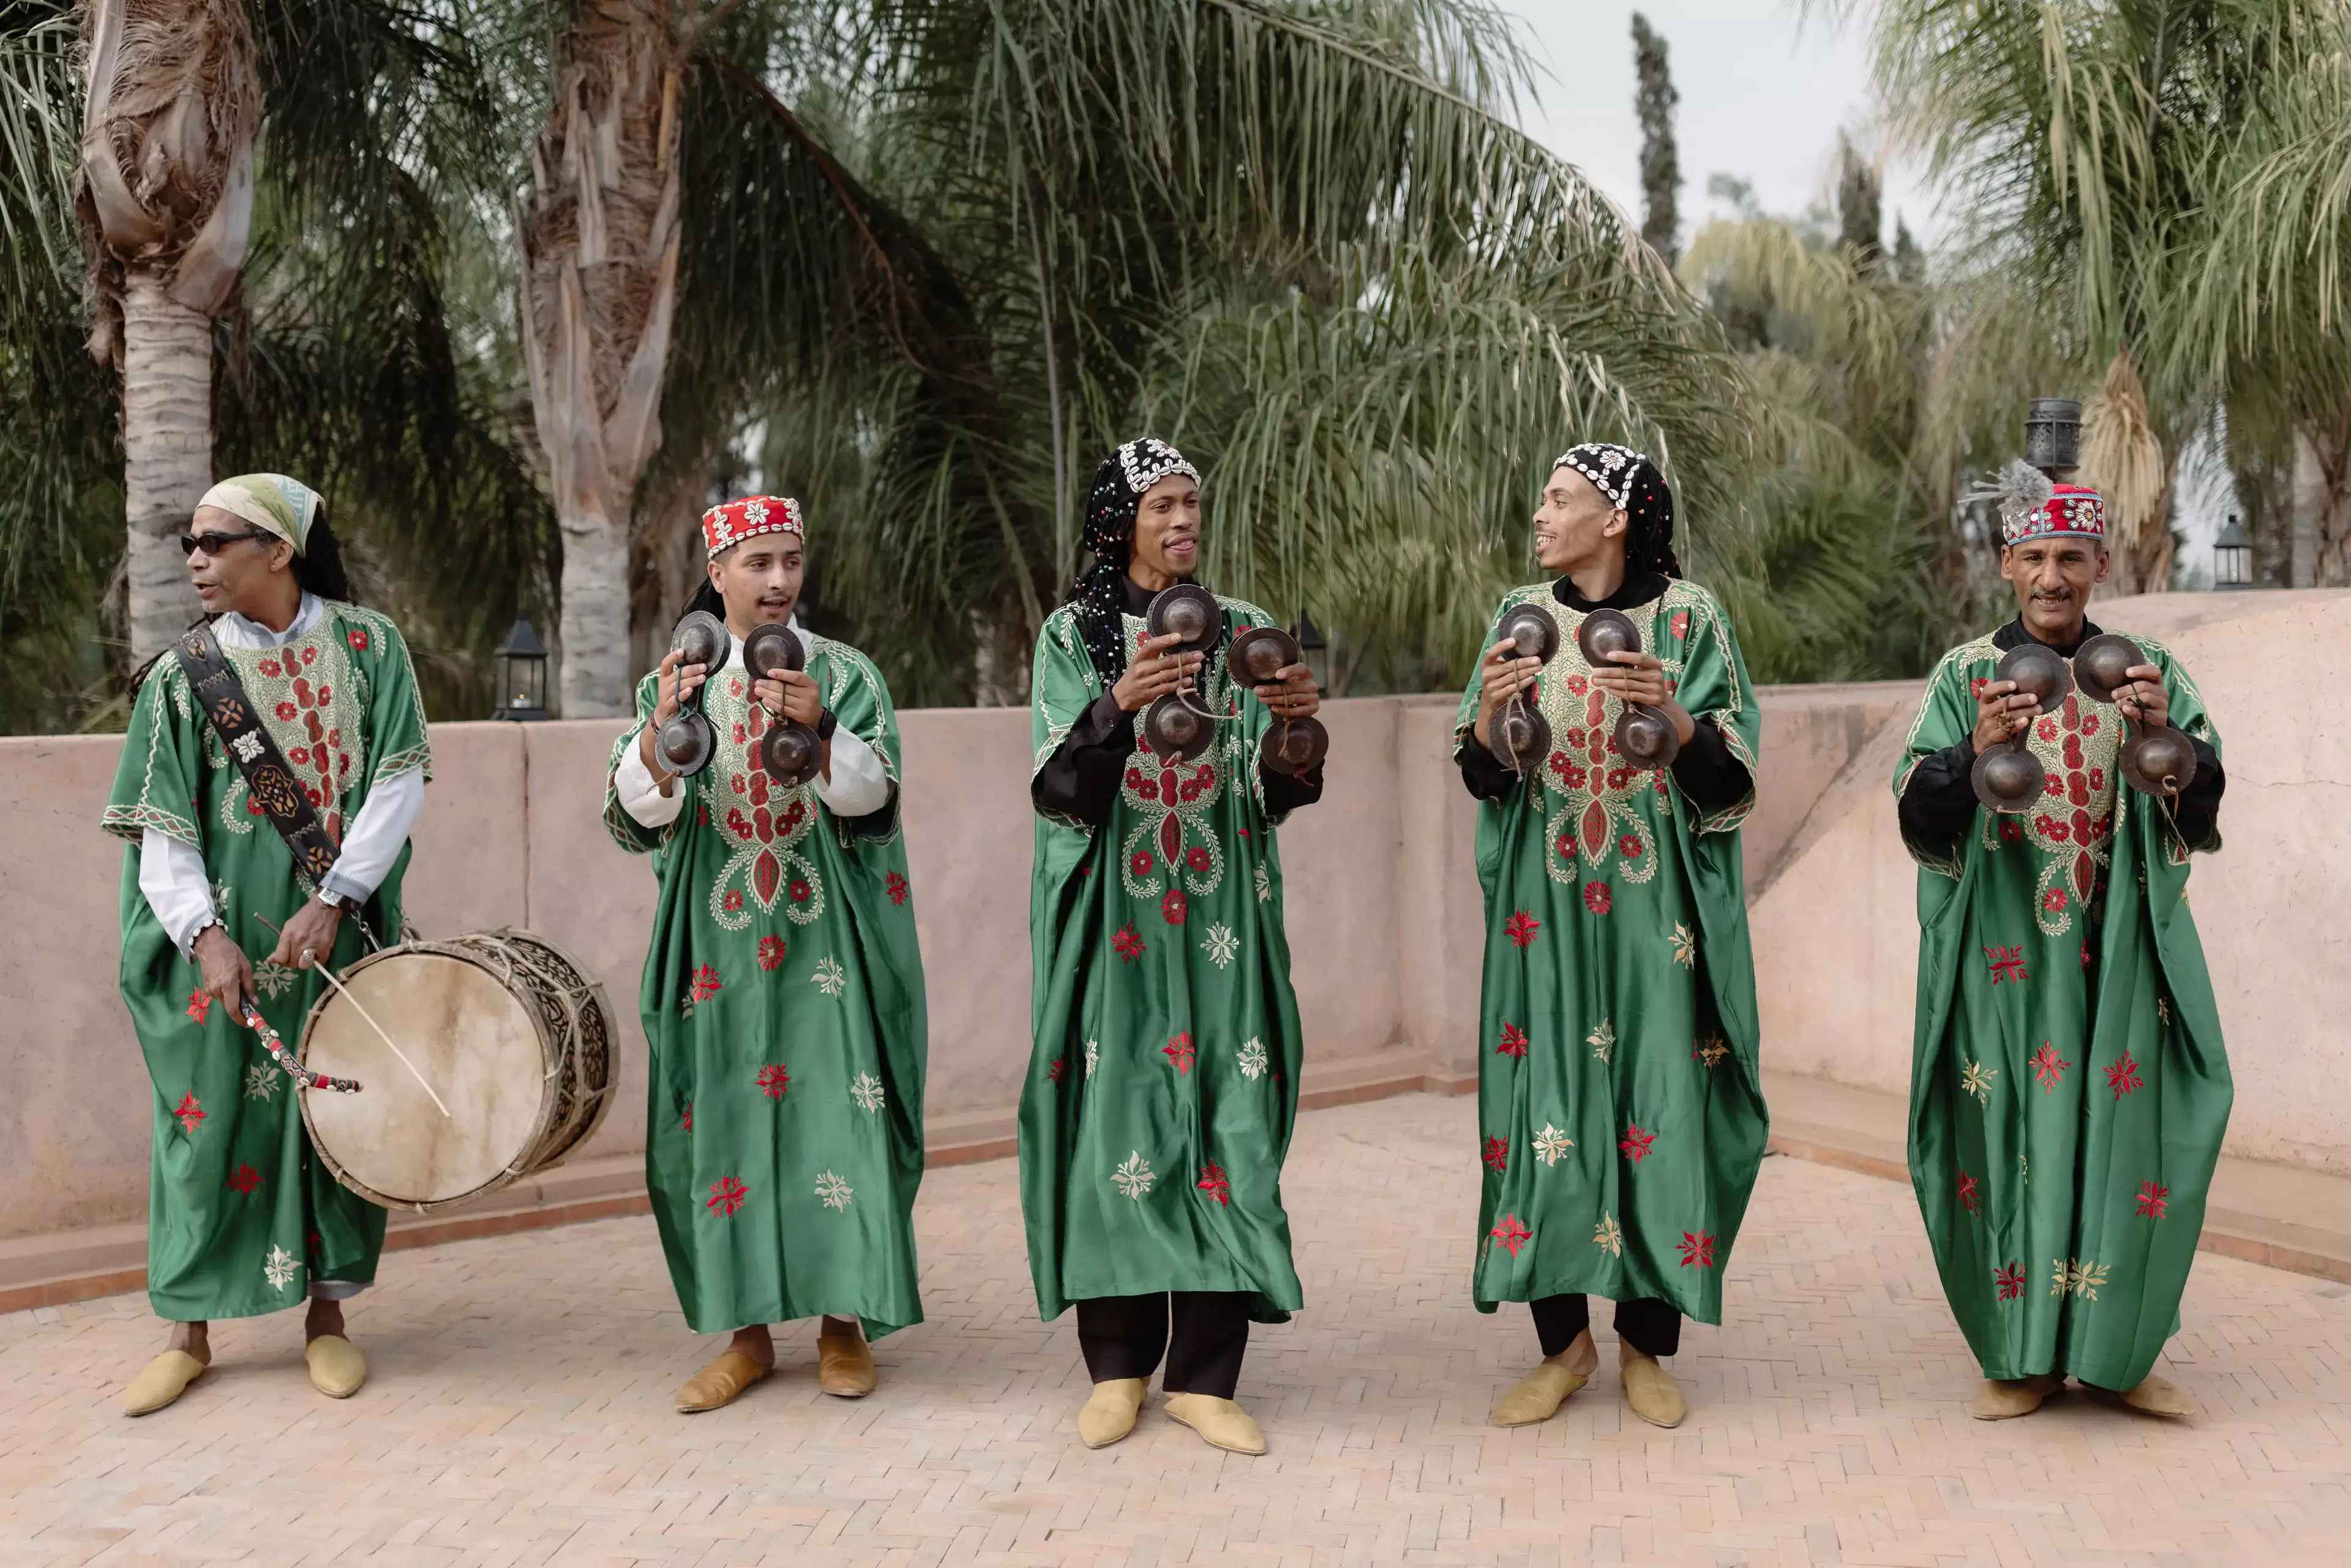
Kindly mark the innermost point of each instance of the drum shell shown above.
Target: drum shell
(579, 1045)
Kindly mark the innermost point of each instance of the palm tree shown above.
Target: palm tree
(170, 105)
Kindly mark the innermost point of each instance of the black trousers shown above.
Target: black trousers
(1650, 1327)
(1124, 1337)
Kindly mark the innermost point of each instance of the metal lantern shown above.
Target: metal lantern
(2053, 436)
(1315, 653)
(2232, 556)
(522, 673)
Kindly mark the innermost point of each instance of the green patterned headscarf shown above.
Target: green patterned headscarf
(284, 507)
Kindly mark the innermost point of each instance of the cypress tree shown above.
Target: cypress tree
(1661, 167)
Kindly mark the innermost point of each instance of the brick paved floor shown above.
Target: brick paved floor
(519, 1414)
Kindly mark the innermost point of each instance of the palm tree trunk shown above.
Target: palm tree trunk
(2320, 553)
(167, 446)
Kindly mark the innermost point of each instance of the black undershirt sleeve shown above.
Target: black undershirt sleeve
(1709, 775)
(1482, 773)
(1288, 791)
(1082, 777)
(2196, 812)
(1940, 801)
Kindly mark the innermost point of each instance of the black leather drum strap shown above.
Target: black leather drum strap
(230, 711)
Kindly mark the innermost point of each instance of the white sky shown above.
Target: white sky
(1764, 90)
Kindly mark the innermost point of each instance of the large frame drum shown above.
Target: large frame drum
(511, 1031)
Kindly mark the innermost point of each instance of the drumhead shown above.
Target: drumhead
(473, 1041)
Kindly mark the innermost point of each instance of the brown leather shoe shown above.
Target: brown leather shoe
(719, 1383)
(844, 1365)
(2004, 1398)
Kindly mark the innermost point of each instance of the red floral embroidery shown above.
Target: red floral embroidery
(2010, 1280)
(308, 654)
(1495, 1154)
(1629, 847)
(200, 1004)
(771, 953)
(1172, 906)
(1129, 942)
(734, 899)
(2053, 901)
(1635, 1143)
(1597, 897)
(1976, 686)
(244, 1179)
(2049, 1067)
(2152, 1200)
(727, 1195)
(2006, 963)
(1968, 1199)
(269, 667)
(1522, 927)
(1141, 863)
(1180, 1050)
(897, 887)
(2123, 1076)
(1198, 859)
(706, 985)
(1514, 1041)
(357, 639)
(2011, 831)
(1053, 1073)
(288, 711)
(2085, 953)
(774, 1081)
(1214, 1182)
(800, 890)
(1697, 1251)
(1679, 623)
(189, 1112)
(686, 1124)
(1511, 1234)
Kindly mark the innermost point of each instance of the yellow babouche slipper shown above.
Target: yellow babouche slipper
(1219, 1421)
(2004, 1398)
(1653, 1394)
(719, 1383)
(1538, 1394)
(2160, 1396)
(159, 1382)
(844, 1365)
(337, 1368)
(1109, 1412)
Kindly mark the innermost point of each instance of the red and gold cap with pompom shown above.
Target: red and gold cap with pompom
(729, 524)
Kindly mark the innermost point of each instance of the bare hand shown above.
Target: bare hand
(790, 694)
(676, 685)
(308, 936)
(1153, 673)
(1502, 674)
(2143, 698)
(2001, 712)
(1295, 696)
(228, 973)
(1641, 678)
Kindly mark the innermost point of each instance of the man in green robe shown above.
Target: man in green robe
(1620, 1106)
(2068, 1084)
(783, 988)
(1164, 1083)
(241, 1219)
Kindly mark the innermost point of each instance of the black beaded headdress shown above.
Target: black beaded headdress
(1118, 488)
(1632, 481)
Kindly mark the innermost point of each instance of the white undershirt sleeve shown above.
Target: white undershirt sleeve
(172, 876)
(372, 842)
(859, 784)
(640, 797)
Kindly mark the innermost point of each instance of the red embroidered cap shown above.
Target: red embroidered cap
(731, 523)
(2070, 510)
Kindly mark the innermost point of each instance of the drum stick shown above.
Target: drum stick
(345, 991)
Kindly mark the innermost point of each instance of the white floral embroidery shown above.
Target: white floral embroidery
(1977, 1081)
(1551, 1143)
(1252, 1059)
(1685, 946)
(1608, 1236)
(866, 1090)
(1133, 1176)
(1264, 884)
(1603, 1041)
(1220, 945)
(834, 1192)
(1094, 1055)
(829, 978)
(273, 980)
(279, 1268)
(261, 1082)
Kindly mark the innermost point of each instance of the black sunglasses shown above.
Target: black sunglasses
(213, 543)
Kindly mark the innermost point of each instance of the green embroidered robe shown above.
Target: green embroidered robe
(1620, 1107)
(2068, 1086)
(241, 1219)
(783, 1001)
(1163, 1085)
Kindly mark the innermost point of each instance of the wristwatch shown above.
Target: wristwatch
(341, 902)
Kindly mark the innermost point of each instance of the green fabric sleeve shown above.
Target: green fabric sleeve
(397, 740)
(626, 831)
(155, 781)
